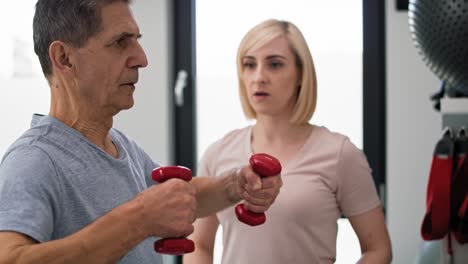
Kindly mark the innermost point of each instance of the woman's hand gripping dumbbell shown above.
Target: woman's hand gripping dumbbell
(173, 246)
(265, 166)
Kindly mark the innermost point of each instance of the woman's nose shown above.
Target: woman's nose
(260, 74)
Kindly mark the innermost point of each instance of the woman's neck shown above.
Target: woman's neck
(280, 139)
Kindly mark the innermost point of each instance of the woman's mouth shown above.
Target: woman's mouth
(260, 95)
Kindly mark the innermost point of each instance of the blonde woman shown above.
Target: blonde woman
(324, 175)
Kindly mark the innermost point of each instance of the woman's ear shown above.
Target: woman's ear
(59, 57)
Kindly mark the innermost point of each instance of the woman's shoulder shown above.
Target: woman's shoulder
(325, 136)
(237, 134)
(225, 150)
(340, 145)
(324, 141)
(231, 140)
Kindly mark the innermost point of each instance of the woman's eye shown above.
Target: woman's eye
(276, 64)
(249, 65)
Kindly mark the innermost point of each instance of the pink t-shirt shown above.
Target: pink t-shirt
(328, 177)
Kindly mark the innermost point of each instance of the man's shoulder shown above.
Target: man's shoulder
(28, 141)
(45, 140)
(25, 162)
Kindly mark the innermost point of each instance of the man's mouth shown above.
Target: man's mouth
(129, 84)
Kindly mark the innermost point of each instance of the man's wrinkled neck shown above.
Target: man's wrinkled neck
(91, 122)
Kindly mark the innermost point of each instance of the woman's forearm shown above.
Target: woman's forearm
(382, 256)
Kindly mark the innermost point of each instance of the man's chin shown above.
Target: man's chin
(128, 106)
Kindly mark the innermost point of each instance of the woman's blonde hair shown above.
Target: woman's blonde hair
(262, 34)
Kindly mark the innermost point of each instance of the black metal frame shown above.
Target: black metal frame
(374, 90)
(402, 5)
(185, 132)
(184, 51)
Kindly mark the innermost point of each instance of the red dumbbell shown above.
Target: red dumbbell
(266, 166)
(173, 246)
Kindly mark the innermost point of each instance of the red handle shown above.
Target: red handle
(173, 246)
(266, 166)
(163, 174)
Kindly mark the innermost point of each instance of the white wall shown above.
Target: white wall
(149, 122)
(413, 128)
(24, 90)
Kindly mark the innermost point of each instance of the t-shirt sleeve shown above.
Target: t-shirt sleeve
(29, 192)
(356, 189)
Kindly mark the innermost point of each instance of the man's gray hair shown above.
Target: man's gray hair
(70, 21)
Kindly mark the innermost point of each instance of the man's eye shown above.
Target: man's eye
(120, 42)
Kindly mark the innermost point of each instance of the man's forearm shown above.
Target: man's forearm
(104, 241)
(215, 193)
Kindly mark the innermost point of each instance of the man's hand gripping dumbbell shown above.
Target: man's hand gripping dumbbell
(252, 184)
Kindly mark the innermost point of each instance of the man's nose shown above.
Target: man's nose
(138, 59)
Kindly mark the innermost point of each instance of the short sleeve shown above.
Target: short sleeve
(356, 189)
(29, 192)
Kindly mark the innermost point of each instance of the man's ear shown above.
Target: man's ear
(59, 53)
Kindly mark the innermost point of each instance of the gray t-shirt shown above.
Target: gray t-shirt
(54, 181)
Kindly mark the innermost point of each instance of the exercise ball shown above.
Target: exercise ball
(439, 30)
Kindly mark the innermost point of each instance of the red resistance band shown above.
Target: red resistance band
(447, 191)
(436, 221)
(459, 212)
